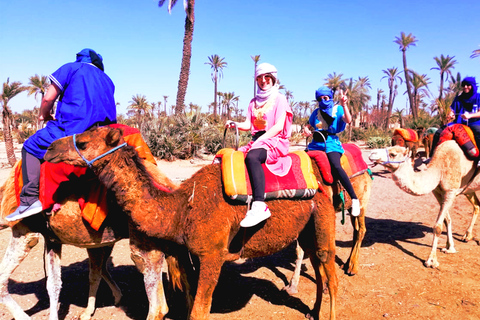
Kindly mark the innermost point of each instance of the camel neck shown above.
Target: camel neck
(134, 191)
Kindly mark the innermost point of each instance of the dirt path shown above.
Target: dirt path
(392, 283)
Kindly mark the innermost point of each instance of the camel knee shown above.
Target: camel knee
(437, 230)
(323, 255)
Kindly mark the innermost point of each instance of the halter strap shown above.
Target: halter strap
(390, 161)
(89, 163)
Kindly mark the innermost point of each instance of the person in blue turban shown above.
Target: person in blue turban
(85, 99)
(464, 110)
(324, 123)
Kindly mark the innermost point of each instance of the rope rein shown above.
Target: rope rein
(90, 162)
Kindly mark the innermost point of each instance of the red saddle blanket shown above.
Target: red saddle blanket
(91, 194)
(463, 135)
(299, 182)
(407, 134)
(352, 162)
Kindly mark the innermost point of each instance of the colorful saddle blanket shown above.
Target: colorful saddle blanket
(463, 135)
(299, 182)
(91, 194)
(407, 134)
(352, 162)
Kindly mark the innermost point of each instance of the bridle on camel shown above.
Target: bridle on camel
(89, 163)
(391, 161)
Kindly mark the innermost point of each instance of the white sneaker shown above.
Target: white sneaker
(355, 207)
(256, 214)
(25, 211)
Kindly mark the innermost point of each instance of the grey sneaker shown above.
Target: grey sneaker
(25, 211)
(256, 214)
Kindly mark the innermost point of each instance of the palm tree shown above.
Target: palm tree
(189, 6)
(10, 90)
(475, 53)
(445, 64)
(398, 115)
(420, 88)
(165, 104)
(255, 60)
(392, 75)
(404, 41)
(38, 85)
(334, 81)
(289, 95)
(140, 107)
(217, 64)
(228, 101)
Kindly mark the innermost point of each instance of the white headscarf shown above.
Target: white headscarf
(262, 96)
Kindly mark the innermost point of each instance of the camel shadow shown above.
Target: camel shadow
(392, 232)
(75, 286)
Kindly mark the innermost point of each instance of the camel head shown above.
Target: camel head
(81, 149)
(390, 157)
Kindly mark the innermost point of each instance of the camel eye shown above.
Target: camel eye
(81, 145)
(391, 155)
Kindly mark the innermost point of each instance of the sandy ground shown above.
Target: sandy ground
(392, 282)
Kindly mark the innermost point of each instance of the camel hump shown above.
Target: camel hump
(406, 134)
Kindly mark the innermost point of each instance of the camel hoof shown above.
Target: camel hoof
(431, 264)
(291, 290)
(445, 250)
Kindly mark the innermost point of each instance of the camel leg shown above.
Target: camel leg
(21, 243)
(292, 287)
(449, 248)
(324, 273)
(149, 260)
(53, 253)
(210, 267)
(98, 258)
(473, 199)
(359, 230)
(445, 204)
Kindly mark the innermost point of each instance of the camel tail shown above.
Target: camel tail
(176, 276)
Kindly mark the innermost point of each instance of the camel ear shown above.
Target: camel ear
(113, 137)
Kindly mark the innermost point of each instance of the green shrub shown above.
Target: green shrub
(378, 142)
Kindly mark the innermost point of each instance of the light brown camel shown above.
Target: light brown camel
(201, 218)
(428, 140)
(68, 227)
(448, 174)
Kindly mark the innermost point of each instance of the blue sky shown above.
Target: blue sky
(142, 44)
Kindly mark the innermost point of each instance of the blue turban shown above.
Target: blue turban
(324, 105)
(90, 56)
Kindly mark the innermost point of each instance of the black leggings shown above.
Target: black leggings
(253, 161)
(340, 174)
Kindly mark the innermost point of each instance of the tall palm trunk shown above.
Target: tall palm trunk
(7, 135)
(390, 106)
(409, 86)
(215, 98)
(187, 55)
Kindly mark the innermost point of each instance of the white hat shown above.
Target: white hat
(264, 68)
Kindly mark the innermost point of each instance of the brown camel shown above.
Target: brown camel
(68, 227)
(448, 174)
(201, 218)
(398, 140)
(428, 140)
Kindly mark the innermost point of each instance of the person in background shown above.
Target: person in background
(85, 99)
(464, 110)
(269, 118)
(324, 123)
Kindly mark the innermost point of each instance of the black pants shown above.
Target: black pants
(253, 161)
(340, 174)
(31, 178)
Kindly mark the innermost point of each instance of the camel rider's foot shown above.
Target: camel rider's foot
(256, 214)
(25, 211)
(355, 207)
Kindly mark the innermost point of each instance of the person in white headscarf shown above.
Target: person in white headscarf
(269, 118)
